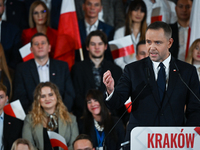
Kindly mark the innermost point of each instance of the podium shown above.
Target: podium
(165, 138)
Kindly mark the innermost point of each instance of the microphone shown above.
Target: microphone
(185, 83)
(147, 73)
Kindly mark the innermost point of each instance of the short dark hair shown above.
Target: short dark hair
(83, 137)
(140, 43)
(85, 1)
(161, 25)
(99, 33)
(38, 34)
(176, 1)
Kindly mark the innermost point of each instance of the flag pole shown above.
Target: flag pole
(81, 54)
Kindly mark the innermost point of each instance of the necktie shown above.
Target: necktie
(161, 81)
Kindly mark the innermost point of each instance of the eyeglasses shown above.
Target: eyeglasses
(36, 13)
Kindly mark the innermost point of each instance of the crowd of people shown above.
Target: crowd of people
(83, 103)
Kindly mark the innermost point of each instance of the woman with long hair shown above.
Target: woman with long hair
(5, 73)
(97, 122)
(194, 55)
(48, 114)
(135, 26)
(39, 20)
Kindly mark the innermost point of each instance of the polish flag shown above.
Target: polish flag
(121, 47)
(15, 110)
(57, 140)
(26, 53)
(194, 30)
(156, 15)
(68, 39)
(127, 104)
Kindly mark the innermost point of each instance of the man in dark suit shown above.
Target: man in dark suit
(15, 13)
(10, 38)
(10, 127)
(157, 105)
(88, 73)
(42, 69)
(55, 8)
(92, 23)
(180, 29)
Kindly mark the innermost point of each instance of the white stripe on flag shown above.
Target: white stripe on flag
(25, 50)
(67, 6)
(120, 43)
(18, 110)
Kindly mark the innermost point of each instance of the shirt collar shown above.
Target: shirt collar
(2, 116)
(95, 24)
(179, 26)
(38, 65)
(165, 62)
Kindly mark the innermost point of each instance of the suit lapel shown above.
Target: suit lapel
(52, 71)
(39, 134)
(62, 127)
(34, 71)
(173, 76)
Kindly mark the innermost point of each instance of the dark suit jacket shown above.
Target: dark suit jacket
(54, 13)
(148, 110)
(107, 29)
(174, 49)
(27, 78)
(83, 80)
(11, 42)
(12, 130)
(16, 13)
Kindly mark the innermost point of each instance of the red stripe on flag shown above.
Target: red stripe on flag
(156, 18)
(127, 105)
(68, 39)
(28, 57)
(57, 143)
(124, 51)
(188, 43)
(9, 111)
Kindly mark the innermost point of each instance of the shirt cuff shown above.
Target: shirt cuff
(108, 97)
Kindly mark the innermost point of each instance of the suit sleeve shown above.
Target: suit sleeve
(74, 132)
(121, 92)
(27, 131)
(69, 93)
(20, 90)
(192, 103)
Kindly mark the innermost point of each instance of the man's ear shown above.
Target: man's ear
(170, 42)
(106, 46)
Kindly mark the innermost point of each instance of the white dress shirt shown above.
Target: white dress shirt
(43, 71)
(1, 128)
(183, 35)
(90, 28)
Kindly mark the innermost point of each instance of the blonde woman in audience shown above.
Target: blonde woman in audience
(135, 26)
(194, 55)
(22, 144)
(39, 20)
(5, 73)
(48, 114)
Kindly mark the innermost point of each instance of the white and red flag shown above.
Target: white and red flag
(68, 39)
(194, 29)
(121, 47)
(127, 104)
(57, 140)
(15, 110)
(156, 15)
(26, 53)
